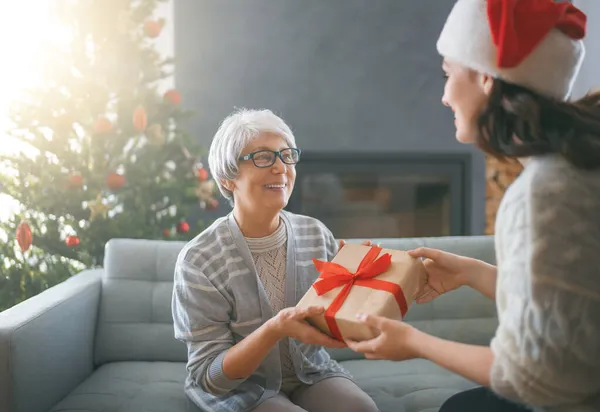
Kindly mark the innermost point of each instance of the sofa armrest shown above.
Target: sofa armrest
(47, 344)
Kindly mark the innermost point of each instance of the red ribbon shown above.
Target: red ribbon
(334, 275)
(518, 26)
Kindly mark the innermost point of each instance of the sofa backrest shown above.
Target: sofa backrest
(135, 321)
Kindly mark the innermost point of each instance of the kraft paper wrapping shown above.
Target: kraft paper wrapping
(407, 272)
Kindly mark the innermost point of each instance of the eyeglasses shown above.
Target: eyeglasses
(266, 158)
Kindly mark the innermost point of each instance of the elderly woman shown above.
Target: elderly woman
(236, 285)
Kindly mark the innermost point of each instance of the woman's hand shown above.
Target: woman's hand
(365, 243)
(396, 340)
(291, 322)
(446, 271)
(400, 341)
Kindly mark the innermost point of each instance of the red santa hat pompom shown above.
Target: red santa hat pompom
(533, 43)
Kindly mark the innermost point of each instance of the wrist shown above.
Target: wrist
(272, 330)
(479, 269)
(419, 343)
(470, 276)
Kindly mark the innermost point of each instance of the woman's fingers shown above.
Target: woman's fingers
(427, 297)
(426, 253)
(426, 290)
(302, 313)
(328, 342)
(366, 346)
(372, 356)
(296, 327)
(342, 243)
(311, 335)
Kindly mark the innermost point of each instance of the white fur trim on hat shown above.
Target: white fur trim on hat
(550, 69)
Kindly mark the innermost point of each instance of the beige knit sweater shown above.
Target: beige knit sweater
(547, 346)
(269, 254)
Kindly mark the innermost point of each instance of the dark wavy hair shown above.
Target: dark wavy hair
(542, 126)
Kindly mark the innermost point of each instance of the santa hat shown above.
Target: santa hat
(532, 43)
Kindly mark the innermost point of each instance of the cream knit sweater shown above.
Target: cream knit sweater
(547, 346)
(269, 255)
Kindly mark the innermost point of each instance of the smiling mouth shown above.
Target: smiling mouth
(277, 186)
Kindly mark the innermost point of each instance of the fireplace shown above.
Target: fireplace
(359, 195)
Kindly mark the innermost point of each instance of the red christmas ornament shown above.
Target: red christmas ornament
(103, 125)
(183, 227)
(172, 96)
(24, 236)
(212, 204)
(75, 181)
(72, 241)
(140, 119)
(201, 174)
(152, 28)
(115, 181)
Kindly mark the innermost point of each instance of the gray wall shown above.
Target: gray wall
(589, 77)
(352, 75)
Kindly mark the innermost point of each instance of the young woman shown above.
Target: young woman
(236, 285)
(510, 66)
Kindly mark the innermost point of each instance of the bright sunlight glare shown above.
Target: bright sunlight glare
(26, 27)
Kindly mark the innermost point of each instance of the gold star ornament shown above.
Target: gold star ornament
(98, 208)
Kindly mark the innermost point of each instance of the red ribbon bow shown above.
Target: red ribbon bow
(334, 275)
(518, 26)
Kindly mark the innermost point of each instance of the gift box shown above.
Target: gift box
(363, 279)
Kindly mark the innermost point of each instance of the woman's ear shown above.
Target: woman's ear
(228, 184)
(487, 83)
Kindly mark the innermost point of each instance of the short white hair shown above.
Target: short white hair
(234, 134)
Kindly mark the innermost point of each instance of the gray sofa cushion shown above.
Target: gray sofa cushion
(412, 386)
(129, 387)
(134, 319)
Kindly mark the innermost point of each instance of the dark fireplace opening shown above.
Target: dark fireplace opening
(360, 195)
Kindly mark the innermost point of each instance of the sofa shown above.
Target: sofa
(103, 339)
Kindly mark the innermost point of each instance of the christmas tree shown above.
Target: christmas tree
(105, 154)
